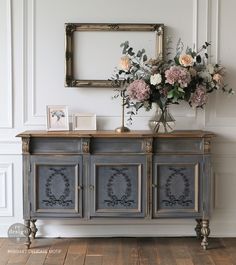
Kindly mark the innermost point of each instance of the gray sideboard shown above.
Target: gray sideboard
(135, 177)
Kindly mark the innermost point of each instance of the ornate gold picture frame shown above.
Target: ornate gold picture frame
(71, 28)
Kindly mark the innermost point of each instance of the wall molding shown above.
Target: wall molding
(9, 111)
(30, 116)
(10, 147)
(24, 63)
(212, 120)
(217, 30)
(223, 155)
(195, 24)
(6, 187)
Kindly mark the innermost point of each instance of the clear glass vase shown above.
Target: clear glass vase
(162, 122)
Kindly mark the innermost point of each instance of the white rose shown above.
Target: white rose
(155, 79)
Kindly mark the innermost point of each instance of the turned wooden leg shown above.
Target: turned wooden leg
(27, 241)
(198, 228)
(33, 228)
(205, 231)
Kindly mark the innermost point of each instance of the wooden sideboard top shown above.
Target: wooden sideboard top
(113, 134)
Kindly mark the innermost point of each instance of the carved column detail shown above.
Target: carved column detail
(25, 145)
(85, 146)
(207, 145)
(147, 145)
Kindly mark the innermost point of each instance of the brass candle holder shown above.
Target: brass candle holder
(122, 128)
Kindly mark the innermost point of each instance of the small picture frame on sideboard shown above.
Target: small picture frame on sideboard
(84, 121)
(57, 118)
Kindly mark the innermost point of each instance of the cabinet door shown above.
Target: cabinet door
(56, 186)
(118, 186)
(177, 186)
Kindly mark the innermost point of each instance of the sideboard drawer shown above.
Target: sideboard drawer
(116, 145)
(55, 145)
(178, 145)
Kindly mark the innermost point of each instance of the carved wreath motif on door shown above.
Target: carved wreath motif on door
(124, 199)
(181, 199)
(52, 199)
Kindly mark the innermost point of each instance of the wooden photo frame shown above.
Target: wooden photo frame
(57, 118)
(84, 121)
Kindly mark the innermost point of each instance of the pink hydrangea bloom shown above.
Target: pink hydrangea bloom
(138, 90)
(178, 74)
(199, 97)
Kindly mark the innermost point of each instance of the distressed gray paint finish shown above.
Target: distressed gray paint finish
(177, 186)
(208, 187)
(106, 145)
(56, 185)
(120, 176)
(191, 146)
(26, 187)
(118, 186)
(55, 145)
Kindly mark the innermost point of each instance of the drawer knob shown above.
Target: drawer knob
(80, 187)
(154, 186)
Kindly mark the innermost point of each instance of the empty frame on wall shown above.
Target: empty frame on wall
(92, 50)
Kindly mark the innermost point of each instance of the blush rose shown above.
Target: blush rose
(186, 60)
(125, 63)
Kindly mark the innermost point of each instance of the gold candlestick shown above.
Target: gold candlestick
(122, 128)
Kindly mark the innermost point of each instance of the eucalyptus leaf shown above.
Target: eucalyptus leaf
(177, 60)
(144, 58)
(139, 54)
(198, 59)
(164, 93)
(170, 94)
(180, 89)
(131, 112)
(130, 51)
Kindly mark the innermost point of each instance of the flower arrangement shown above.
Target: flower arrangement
(185, 77)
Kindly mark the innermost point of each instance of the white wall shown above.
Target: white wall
(32, 76)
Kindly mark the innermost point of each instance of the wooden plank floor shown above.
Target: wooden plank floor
(119, 251)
